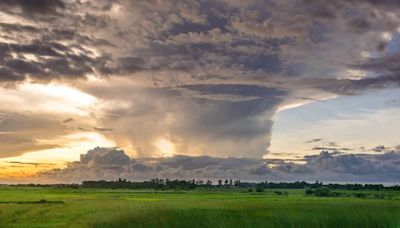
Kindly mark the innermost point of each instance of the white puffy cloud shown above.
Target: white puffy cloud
(104, 156)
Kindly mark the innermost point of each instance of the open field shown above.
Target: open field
(48, 207)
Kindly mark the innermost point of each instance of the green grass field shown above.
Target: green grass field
(47, 207)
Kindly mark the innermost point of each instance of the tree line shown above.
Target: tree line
(168, 184)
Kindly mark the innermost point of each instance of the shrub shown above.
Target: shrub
(42, 201)
(309, 191)
(259, 189)
(322, 192)
(379, 196)
(360, 195)
(336, 194)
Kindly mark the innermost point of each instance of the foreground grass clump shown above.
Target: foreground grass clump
(240, 208)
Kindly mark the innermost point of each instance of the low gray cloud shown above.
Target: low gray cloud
(331, 148)
(35, 164)
(68, 120)
(379, 148)
(313, 140)
(102, 129)
(111, 163)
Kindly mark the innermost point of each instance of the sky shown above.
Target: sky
(255, 90)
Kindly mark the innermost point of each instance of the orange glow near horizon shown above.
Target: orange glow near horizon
(29, 164)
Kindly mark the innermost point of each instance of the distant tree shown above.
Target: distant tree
(318, 183)
(324, 192)
(219, 182)
(309, 191)
(259, 188)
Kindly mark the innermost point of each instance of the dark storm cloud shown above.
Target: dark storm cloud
(34, 6)
(100, 163)
(209, 40)
(52, 44)
(321, 8)
(227, 119)
(52, 60)
(7, 27)
(359, 25)
(234, 63)
(131, 64)
(213, 73)
(386, 68)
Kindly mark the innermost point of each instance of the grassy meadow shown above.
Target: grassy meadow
(51, 207)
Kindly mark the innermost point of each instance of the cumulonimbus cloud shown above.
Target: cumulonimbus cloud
(206, 76)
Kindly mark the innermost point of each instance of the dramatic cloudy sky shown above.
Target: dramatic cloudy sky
(297, 89)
